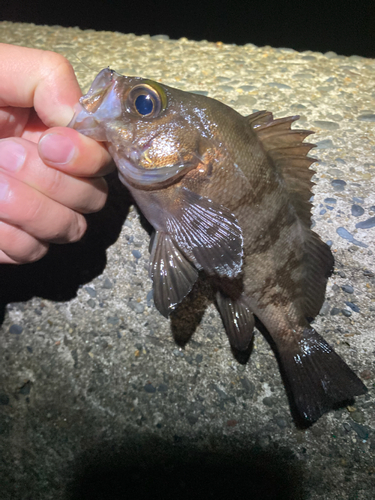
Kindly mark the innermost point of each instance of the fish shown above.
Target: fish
(228, 196)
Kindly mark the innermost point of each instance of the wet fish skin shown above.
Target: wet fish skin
(228, 195)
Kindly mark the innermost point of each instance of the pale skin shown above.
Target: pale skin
(49, 174)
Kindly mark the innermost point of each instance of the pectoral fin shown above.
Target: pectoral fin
(207, 233)
(172, 274)
(238, 320)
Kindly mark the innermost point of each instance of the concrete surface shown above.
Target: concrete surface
(96, 398)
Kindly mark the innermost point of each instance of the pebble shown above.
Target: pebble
(357, 200)
(330, 201)
(346, 312)
(226, 88)
(367, 118)
(112, 320)
(223, 395)
(137, 254)
(245, 100)
(353, 307)
(366, 224)
(338, 184)
(199, 358)
(335, 311)
(269, 401)
(325, 308)
(344, 233)
(91, 303)
(91, 291)
(247, 385)
(107, 283)
(178, 353)
(199, 92)
(347, 289)
(137, 307)
(149, 388)
(361, 430)
(335, 172)
(150, 298)
(279, 85)
(323, 211)
(16, 329)
(357, 210)
(4, 399)
(281, 422)
(357, 416)
(326, 125)
(248, 88)
(325, 144)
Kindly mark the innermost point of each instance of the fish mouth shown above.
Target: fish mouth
(101, 104)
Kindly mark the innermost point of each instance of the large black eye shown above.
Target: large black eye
(147, 100)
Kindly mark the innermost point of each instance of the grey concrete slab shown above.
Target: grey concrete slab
(96, 398)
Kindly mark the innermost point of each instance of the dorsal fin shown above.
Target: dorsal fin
(288, 152)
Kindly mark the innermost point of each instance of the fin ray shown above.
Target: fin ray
(207, 233)
(317, 377)
(238, 320)
(172, 274)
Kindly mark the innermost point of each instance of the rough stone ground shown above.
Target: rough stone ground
(97, 400)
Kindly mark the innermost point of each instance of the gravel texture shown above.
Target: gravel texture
(96, 398)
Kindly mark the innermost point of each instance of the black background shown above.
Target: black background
(346, 27)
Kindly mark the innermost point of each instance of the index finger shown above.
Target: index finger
(41, 79)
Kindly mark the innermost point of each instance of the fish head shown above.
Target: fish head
(155, 133)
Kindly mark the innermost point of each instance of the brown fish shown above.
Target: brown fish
(228, 195)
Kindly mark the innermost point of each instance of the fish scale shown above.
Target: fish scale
(228, 196)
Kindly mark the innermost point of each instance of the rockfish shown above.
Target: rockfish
(228, 195)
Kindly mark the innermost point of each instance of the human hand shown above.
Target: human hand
(45, 187)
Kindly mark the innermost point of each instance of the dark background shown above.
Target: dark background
(346, 27)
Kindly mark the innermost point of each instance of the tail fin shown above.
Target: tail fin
(317, 378)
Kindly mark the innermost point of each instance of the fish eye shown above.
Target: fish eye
(147, 100)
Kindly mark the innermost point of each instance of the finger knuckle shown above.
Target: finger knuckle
(53, 183)
(73, 229)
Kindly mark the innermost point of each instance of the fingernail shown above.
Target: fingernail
(12, 155)
(56, 148)
(4, 190)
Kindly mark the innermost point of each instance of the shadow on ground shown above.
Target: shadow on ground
(156, 469)
(59, 274)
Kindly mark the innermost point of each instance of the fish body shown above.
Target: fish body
(227, 195)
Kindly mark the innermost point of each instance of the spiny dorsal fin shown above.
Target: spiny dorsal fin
(288, 152)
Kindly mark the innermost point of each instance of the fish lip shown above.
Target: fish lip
(92, 111)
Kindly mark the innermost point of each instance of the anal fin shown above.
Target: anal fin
(172, 274)
(317, 378)
(238, 321)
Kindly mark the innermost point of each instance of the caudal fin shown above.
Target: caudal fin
(317, 378)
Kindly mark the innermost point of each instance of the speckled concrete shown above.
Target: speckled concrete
(97, 400)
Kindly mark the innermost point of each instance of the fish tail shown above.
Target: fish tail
(317, 378)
